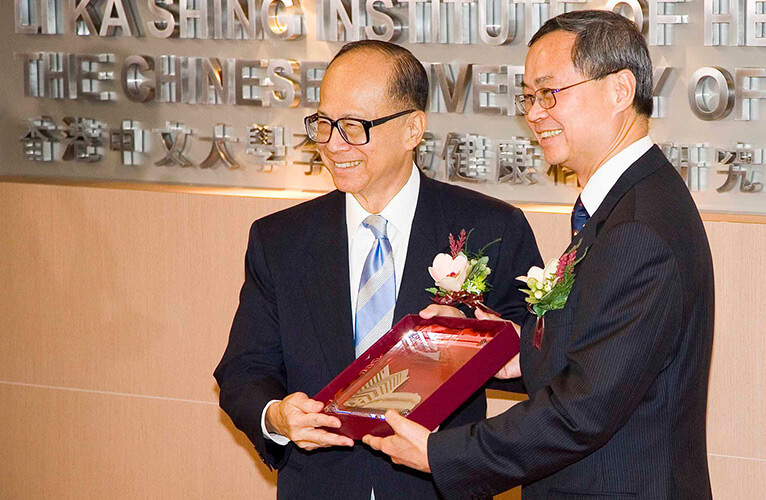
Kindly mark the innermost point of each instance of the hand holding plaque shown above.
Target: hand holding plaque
(422, 368)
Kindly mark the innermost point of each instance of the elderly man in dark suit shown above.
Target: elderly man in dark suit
(325, 279)
(617, 381)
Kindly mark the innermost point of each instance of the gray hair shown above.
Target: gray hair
(409, 82)
(606, 43)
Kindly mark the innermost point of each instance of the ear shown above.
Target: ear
(624, 89)
(414, 129)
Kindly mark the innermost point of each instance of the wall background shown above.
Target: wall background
(115, 307)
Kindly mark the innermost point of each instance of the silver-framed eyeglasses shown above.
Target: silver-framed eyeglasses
(354, 131)
(546, 98)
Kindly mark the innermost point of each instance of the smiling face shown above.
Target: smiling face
(356, 86)
(578, 131)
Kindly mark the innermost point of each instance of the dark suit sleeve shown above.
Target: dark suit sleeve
(625, 328)
(252, 370)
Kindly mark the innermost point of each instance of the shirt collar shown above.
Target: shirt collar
(603, 179)
(399, 212)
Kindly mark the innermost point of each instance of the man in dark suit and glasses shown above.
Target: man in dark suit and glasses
(618, 385)
(326, 278)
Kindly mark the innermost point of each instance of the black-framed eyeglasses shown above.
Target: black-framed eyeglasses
(546, 98)
(354, 131)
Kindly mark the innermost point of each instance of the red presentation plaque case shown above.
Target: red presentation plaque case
(423, 368)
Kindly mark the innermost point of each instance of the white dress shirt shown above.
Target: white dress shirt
(399, 213)
(604, 179)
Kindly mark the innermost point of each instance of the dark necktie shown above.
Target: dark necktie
(579, 217)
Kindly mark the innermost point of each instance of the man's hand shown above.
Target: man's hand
(512, 369)
(297, 418)
(409, 446)
(437, 310)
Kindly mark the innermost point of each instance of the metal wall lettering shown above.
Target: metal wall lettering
(219, 151)
(171, 79)
(691, 161)
(518, 161)
(724, 22)
(43, 17)
(308, 155)
(562, 175)
(497, 26)
(382, 26)
(660, 79)
(166, 23)
(241, 20)
(311, 77)
(120, 17)
(748, 89)
(662, 17)
(282, 74)
(213, 83)
(468, 157)
(265, 75)
(41, 140)
(486, 89)
(174, 139)
(282, 27)
(335, 23)
(427, 155)
(135, 84)
(130, 140)
(267, 145)
(739, 160)
(711, 93)
(755, 28)
(248, 82)
(83, 140)
(635, 10)
(451, 91)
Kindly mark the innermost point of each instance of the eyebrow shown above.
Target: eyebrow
(326, 115)
(538, 81)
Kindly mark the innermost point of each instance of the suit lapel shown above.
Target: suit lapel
(428, 237)
(327, 285)
(648, 163)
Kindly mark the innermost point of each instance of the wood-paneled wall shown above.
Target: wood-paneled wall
(115, 307)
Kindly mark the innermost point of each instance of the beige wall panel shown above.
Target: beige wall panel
(552, 232)
(133, 292)
(118, 290)
(737, 397)
(737, 478)
(77, 445)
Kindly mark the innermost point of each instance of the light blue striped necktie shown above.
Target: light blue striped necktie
(377, 288)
